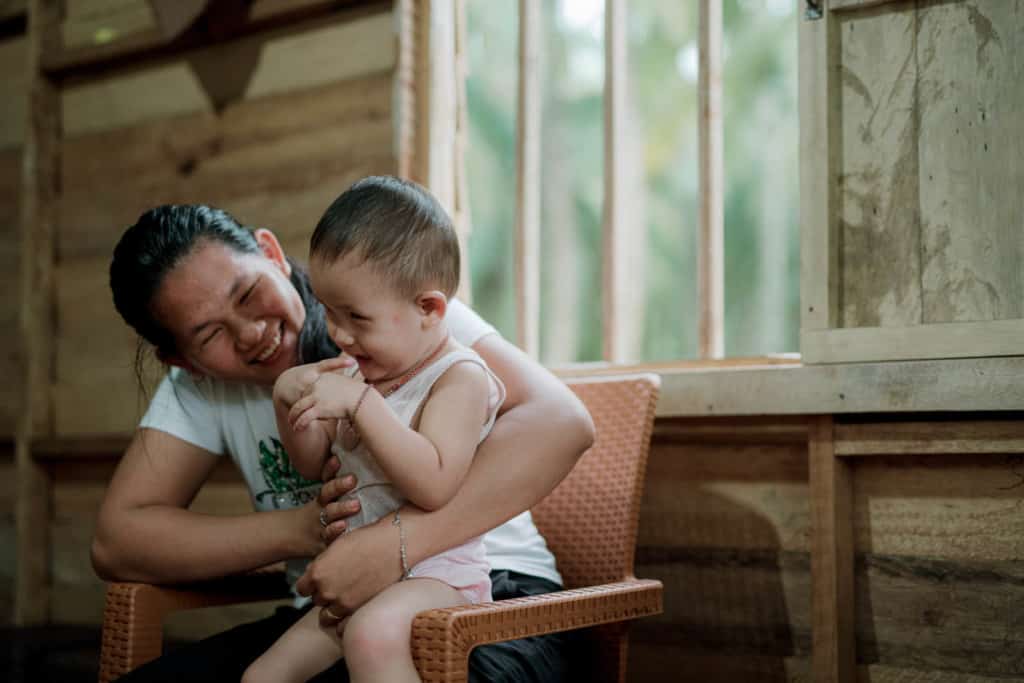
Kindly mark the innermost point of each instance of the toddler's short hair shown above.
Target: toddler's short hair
(396, 226)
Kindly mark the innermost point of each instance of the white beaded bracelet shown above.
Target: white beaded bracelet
(397, 521)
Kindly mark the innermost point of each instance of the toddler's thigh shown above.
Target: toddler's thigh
(382, 626)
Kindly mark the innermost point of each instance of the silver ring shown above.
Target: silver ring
(323, 517)
(329, 613)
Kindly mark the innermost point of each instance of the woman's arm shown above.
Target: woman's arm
(145, 533)
(533, 445)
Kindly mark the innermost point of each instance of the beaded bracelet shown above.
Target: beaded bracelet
(350, 426)
(397, 521)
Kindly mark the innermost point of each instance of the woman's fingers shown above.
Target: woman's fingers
(334, 489)
(333, 531)
(330, 469)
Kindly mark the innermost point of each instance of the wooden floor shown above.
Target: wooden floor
(69, 654)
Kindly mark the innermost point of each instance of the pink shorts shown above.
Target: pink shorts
(465, 568)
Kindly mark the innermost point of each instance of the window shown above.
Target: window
(658, 170)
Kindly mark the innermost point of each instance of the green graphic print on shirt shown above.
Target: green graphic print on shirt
(288, 488)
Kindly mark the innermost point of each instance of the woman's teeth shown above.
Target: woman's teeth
(269, 351)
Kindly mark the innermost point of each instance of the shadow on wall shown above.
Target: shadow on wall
(725, 527)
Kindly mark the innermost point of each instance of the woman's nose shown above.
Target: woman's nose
(250, 332)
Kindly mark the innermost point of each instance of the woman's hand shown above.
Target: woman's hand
(353, 568)
(335, 510)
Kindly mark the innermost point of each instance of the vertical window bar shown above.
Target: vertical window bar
(710, 253)
(528, 123)
(613, 261)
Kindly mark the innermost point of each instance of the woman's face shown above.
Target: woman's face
(234, 316)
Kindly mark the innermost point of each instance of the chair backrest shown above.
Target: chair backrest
(590, 520)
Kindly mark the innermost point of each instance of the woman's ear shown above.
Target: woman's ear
(178, 361)
(271, 248)
(433, 305)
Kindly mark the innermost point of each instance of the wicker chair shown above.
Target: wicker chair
(590, 523)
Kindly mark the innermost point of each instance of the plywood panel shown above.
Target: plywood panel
(878, 171)
(10, 205)
(952, 507)
(277, 147)
(285, 64)
(971, 65)
(726, 496)
(7, 532)
(14, 103)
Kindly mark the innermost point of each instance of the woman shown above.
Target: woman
(229, 312)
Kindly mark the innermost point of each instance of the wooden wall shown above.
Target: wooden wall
(271, 129)
(939, 541)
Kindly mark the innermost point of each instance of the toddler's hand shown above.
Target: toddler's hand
(330, 396)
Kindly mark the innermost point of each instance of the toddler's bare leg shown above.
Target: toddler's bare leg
(377, 637)
(303, 651)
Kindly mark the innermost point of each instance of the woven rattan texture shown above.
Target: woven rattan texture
(590, 520)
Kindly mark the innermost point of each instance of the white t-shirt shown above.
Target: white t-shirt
(237, 419)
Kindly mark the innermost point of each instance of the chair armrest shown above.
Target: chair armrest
(133, 616)
(443, 638)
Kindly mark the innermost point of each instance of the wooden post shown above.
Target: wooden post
(528, 123)
(615, 129)
(833, 656)
(711, 248)
(40, 190)
(435, 146)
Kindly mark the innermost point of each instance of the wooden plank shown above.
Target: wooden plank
(960, 508)
(711, 185)
(919, 438)
(528, 178)
(405, 96)
(971, 146)
(840, 5)
(940, 340)
(980, 384)
(14, 105)
(293, 146)
(833, 655)
(10, 295)
(287, 64)
(613, 241)
(40, 182)
(460, 170)
(818, 233)
(724, 496)
(878, 207)
(149, 45)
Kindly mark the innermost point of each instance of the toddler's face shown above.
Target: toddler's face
(368, 318)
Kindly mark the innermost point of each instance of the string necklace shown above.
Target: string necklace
(404, 379)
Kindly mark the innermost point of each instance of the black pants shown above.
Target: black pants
(225, 656)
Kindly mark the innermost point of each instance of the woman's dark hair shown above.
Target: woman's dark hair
(159, 240)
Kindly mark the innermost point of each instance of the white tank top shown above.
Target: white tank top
(377, 496)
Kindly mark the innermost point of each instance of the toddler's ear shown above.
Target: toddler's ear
(433, 305)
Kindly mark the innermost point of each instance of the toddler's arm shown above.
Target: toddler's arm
(306, 448)
(429, 464)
